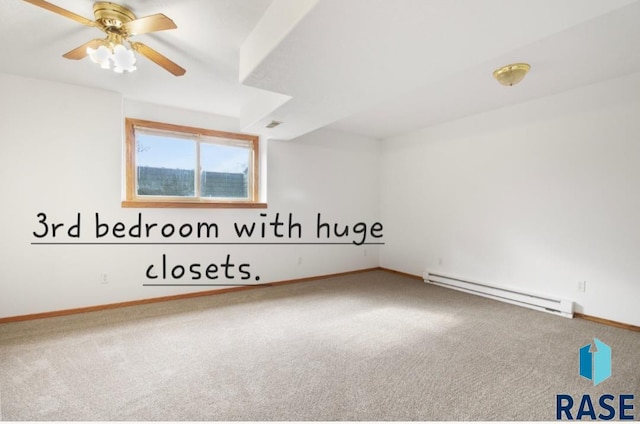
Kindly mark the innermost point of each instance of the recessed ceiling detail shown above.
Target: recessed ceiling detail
(426, 59)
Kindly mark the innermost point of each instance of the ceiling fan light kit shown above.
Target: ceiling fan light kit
(112, 53)
(510, 75)
(119, 23)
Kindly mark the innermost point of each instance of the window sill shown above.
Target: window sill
(192, 204)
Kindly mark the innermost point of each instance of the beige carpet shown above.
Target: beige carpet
(370, 346)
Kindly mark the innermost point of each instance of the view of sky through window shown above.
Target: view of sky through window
(177, 153)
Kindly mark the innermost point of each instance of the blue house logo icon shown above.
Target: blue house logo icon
(595, 361)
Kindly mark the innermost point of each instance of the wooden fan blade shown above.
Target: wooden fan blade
(60, 11)
(80, 52)
(153, 23)
(158, 59)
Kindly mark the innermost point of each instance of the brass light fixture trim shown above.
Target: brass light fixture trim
(512, 74)
(113, 16)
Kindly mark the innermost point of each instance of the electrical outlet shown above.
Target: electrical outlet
(582, 286)
(299, 260)
(104, 279)
(440, 261)
(365, 252)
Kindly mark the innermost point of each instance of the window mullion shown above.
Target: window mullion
(197, 170)
(249, 176)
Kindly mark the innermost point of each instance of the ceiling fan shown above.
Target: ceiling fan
(119, 23)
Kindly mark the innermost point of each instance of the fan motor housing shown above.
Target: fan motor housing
(112, 16)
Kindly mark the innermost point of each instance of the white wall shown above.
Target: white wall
(537, 196)
(61, 150)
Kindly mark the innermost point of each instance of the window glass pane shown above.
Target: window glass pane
(177, 166)
(224, 171)
(165, 166)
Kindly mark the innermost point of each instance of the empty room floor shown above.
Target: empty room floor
(367, 346)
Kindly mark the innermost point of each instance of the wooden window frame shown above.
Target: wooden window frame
(132, 200)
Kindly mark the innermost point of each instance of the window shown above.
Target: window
(177, 166)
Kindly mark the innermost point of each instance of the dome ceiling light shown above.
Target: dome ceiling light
(511, 74)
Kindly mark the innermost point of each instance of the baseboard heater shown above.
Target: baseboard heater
(557, 306)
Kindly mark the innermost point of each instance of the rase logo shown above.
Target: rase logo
(595, 365)
(595, 362)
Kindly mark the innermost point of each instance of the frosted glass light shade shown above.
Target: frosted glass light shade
(511, 74)
(123, 59)
(100, 56)
(119, 56)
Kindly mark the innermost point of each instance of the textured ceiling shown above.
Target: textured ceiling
(372, 67)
